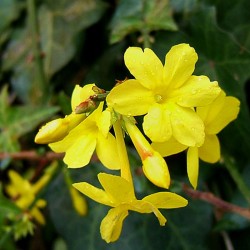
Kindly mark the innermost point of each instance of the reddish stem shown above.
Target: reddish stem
(217, 202)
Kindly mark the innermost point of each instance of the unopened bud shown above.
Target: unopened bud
(57, 129)
(86, 106)
(154, 166)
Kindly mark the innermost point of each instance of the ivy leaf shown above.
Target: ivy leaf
(132, 16)
(59, 26)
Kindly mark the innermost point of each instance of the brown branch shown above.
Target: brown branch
(31, 155)
(217, 202)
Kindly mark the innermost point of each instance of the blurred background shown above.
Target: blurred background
(47, 47)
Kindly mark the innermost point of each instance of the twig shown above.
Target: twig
(217, 202)
(227, 241)
(35, 156)
(31, 155)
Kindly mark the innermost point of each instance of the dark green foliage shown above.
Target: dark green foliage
(83, 41)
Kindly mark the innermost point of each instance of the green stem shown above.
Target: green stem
(232, 169)
(67, 177)
(146, 38)
(122, 151)
(100, 97)
(39, 89)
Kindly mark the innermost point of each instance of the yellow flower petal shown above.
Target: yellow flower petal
(18, 185)
(162, 220)
(197, 91)
(156, 170)
(193, 165)
(79, 146)
(104, 122)
(142, 206)
(81, 151)
(228, 112)
(25, 200)
(209, 112)
(130, 98)
(106, 149)
(166, 200)
(37, 215)
(210, 150)
(156, 124)
(93, 193)
(117, 187)
(145, 66)
(179, 65)
(57, 129)
(78, 201)
(45, 178)
(111, 225)
(169, 147)
(187, 126)
(154, 166)
(80, 94)
(41, 203)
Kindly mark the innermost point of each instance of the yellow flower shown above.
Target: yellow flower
(91, 134)
(154, 166)
(78, 201)
(119, 194)
(24, 195)
(57, 129)
(166, 94)
(215, 117)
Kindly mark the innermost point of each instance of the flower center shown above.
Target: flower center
(158, 98)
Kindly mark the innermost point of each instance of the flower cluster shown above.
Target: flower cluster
(24, 195)
(181, 112)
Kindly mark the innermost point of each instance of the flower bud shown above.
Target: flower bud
(52, 131)
(85, 107)
(154, 166)
(57, 129)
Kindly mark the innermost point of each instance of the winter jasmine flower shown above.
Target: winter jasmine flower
(166, 94)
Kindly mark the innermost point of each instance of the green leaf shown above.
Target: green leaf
(7, 207)
(19, 120)
(60, 23)
(59, 26)
(139, 15)
(9, 11)
(229, 62)
(184, 6)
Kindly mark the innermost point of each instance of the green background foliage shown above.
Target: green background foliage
(83, 41)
